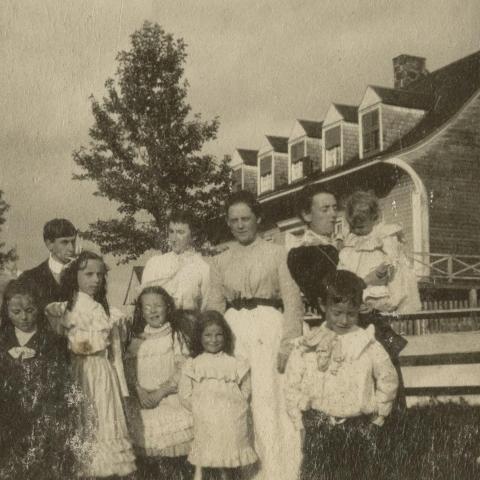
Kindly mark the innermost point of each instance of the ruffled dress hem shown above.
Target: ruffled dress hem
(159, 443)
(241, 458)
(113, 457)
(179, 450)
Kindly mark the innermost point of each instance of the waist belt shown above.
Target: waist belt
(251, 303)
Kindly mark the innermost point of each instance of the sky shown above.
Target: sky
(257, 65)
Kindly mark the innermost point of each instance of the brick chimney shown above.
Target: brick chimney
(407, 69)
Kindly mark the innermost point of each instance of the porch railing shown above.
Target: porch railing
(446, 267)
(427, 321)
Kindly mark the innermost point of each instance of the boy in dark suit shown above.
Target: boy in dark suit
(59, 236)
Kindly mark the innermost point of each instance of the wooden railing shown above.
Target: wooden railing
(447, 267)
(436, 321)
(427, 322)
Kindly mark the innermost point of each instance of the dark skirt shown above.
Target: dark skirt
(345, 451)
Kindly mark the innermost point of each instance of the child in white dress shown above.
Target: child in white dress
(374, 249)
(92, 330)
(216, 387)
(340, 387)
(162, 429)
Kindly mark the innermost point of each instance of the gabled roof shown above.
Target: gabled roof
(279, 144)
(450, 87)
(348, 112)
(249, 157)
(312, 129)
(403, 98)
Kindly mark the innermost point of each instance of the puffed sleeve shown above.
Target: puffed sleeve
(185, 385)
(295, 398)
(392, 248)
(149, 272)
(292, 304)
(216, 298)
(386, 379)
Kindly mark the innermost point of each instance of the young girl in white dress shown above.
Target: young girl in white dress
(374, 246)
(162, 429)
(92, 330)
(216, 387)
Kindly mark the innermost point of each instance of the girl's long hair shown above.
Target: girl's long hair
(185, 324)
(69, 280)
(207, 318)
(139, 323)
(17, 287)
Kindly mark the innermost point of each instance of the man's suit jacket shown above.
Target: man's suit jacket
(43, 283)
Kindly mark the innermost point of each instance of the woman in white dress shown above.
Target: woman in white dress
(182, 272)
(263, 307)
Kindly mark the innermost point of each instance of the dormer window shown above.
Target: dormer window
(297, 151)
(371, 132)
(266, 177)
(333, 153)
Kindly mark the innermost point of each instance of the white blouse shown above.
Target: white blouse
(340, 375)
(185, 276)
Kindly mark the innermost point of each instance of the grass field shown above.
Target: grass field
(438, 442)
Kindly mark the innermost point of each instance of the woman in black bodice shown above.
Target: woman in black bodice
(317, 255)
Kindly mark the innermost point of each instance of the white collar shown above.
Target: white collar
(55, 266)
(24, 337)
(311, 237)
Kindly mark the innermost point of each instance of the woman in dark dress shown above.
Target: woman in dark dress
(317, 256)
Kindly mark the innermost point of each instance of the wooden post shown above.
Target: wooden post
(473, 298)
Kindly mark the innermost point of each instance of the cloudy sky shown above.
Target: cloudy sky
(256, 64)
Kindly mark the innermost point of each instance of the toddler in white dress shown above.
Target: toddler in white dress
(374, 250)
(216, 387)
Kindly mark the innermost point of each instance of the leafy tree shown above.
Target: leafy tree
(146, 148)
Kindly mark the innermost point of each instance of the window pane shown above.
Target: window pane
(297, 171)
(332, 138)
(298, 151)
(266, 165)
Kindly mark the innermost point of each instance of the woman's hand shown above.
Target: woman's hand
(145, 397)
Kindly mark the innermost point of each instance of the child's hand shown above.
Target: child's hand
(144, 397)
(378, 420)
(379, 276)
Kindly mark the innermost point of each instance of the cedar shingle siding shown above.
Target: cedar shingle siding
(396, 122)
(449, 166)
(250, 179)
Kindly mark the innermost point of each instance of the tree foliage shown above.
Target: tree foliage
(146, 148)
(9, 254)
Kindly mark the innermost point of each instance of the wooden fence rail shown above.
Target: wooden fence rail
(445, 266)
(428, 321)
